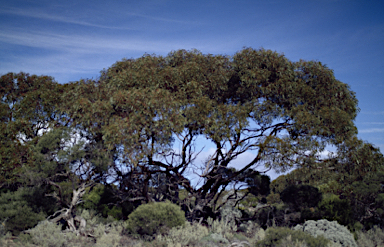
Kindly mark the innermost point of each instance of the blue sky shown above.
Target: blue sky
(70, 40)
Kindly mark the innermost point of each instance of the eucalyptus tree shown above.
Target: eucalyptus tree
(28, 108)
(146, 116)
(352, 181)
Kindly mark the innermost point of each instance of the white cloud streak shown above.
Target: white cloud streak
(371, 130)
(38, 14)
(42, 15)
(72, 43)
(93, 44)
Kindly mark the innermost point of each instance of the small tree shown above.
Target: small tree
(299, 197)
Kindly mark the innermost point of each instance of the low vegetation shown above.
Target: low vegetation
(109, 232)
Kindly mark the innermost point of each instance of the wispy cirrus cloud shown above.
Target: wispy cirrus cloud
(371, 130)
(74, 42)
(58, 18)
(92, 44)
(98, 43)
(39, 14)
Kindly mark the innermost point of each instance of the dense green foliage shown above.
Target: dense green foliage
(23, 209)
(301, 196)
(102, 199)
(351, 182)
(154, 218)
(333, 208)
(28, 107)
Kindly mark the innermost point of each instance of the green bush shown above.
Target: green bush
(330, 230)
(278, 236)
(103, 200)
(17, 213)
(155, 218)
(333, 208)
(301, 196)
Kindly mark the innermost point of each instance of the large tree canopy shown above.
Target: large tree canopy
(143, 119)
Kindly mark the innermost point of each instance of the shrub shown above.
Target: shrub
(331, 230)
(17, 213)
(227, 225)
(106, 231)
(112, 239)
(6, 240)
(373, 237)
(102, 199)
(3, 231)
(214, 237)
(187, 235)
(273, 198)
(249, 228)
(154, 218)
(93, 219)
(278, 236)
(229, 215)
(333, 208)
(106, 234)
(222, 227)
(252, 231)
(47, 234)
(50, 234)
